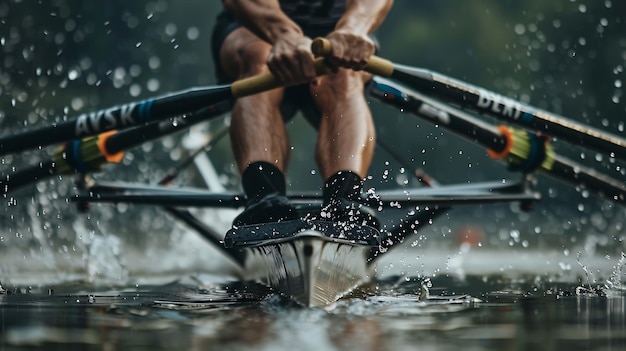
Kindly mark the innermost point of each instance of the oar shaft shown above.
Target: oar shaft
(19, 179)
(588, 179)
(490, 104)
(85, 152)
(459, 122)
(475, 130)
(503, 108)
(140, 113)
(119, 117)
(129, 138)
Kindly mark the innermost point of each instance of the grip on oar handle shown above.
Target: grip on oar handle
(376, 65)
(267, 81)
(321, 47)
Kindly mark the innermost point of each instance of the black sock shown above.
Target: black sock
(343, 184)
(262, 178)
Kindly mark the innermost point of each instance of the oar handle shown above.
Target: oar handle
(267, 81)
(376, 65)
(253, 85)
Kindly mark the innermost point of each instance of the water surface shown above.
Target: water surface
(202, 312)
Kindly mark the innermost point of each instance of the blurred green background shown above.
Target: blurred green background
(60, 58)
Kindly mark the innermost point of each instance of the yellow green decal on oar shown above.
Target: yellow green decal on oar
(525, 151)
(85, 155)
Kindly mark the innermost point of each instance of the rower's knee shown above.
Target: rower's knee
(343, 83)
(243, 54)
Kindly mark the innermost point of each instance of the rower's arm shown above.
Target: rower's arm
(264, 18)
(363, 16)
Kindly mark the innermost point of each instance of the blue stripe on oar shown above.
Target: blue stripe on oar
(76, 160)
(395, 93)
(527, 118)
(536, 154)
(144, 110)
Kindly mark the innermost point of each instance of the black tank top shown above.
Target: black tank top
(314, 12)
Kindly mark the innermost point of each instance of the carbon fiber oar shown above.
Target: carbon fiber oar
(139, 113)
(491, 104)
(92, 153)
(524, 151)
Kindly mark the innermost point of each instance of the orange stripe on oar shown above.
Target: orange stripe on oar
(102, 139)
(506, 132)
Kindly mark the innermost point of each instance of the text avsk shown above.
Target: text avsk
(99, 121)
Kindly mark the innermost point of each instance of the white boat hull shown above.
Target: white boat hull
(309, 266)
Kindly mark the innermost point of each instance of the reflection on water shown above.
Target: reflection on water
(493, 313)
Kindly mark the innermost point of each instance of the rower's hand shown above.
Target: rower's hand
(291, 60)
(349, 50)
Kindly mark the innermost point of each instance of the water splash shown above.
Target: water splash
(587, 291)
(614, 283)
(102, 255)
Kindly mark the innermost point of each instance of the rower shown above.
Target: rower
(254, 37)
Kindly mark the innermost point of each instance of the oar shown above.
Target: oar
(490, 104)
(139, 113)
(524, 151)
(92, 153)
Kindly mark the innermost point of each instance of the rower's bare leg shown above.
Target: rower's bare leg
(258, 135)
(346, 134)
(257, 129)
(345, 145)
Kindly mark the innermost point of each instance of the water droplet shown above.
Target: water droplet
(153, 84)
(171, 29)
(77, 104)
(135, 90)
(193, 33)
(154, 62)
(72, 74)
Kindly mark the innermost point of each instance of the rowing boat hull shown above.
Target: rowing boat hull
(309, 266)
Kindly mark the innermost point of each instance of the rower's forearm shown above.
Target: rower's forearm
(264, 18)
(363, 16)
